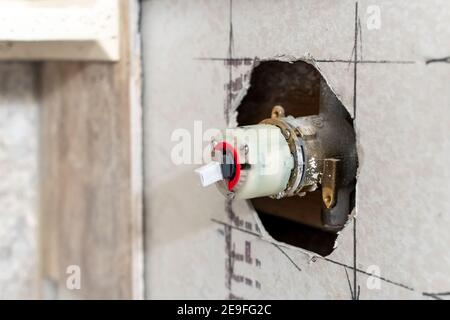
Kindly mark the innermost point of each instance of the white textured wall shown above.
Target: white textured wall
(402, 123)
(18, 180)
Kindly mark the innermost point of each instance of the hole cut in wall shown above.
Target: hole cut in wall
(296, 86)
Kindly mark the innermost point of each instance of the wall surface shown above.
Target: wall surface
(18, 181)
(396, 243)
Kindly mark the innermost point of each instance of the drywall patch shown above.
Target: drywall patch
(298, 86)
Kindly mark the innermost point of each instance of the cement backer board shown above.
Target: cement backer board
(402, 123)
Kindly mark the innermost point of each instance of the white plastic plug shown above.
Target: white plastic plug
(210, 173)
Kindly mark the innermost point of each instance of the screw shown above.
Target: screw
(287, 134)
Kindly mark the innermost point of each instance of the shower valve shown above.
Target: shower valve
(284, 156)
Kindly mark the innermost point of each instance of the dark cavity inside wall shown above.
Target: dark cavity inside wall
(296, 87)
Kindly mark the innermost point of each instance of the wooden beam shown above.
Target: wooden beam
(91, 172)
(59, 30)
